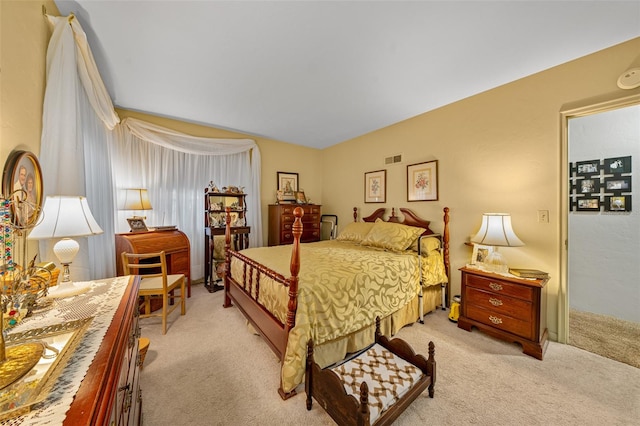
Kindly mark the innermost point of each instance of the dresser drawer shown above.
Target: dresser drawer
(498, 286)
(500, 321)
(500, 304)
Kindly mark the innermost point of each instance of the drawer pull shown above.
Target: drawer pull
(495, 320)
(495, 286)
(495, 302)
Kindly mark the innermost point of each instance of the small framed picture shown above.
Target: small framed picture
(588, 185)
(300, 197)
(588, 168)
(620, 203)
(617, 165)
(588, 204)
(617, 184)
(422, 181)
(137, 224)
(287, 182)
(22, 181)
(375, 187)
(480, 253)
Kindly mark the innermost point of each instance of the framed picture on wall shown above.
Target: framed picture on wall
(22, 184)
(287, 182)
(588, 185)
(422, 181)
(588, 168)
(588, 204)
(617, 165)
(375, 186)
(621, 203)
(618, 184)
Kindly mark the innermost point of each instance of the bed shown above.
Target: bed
(293, 293)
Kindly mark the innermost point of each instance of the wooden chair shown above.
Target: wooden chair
(152, 267)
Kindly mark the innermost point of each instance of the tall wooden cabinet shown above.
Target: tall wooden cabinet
(281, 223)
(215, 214)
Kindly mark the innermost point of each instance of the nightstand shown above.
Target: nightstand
(505, 307)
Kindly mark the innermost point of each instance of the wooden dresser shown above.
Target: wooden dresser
(110, 392)
(281, 222)
(174, 243)
(509, 308)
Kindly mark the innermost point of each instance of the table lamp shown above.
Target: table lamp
(65, 217)
(496, 231)
(134, 199)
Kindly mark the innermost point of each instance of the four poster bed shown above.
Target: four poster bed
(332, 291)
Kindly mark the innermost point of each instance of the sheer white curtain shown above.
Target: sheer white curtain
(73, 150)
(175, 169)
(84, 151)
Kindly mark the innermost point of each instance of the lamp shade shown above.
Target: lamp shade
(134, 199)
(496, 230)
(65, 216)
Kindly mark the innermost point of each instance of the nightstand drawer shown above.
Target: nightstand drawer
(500, 304)
(503, 322)
(499, 287)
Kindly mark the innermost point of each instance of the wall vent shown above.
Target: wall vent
(393, 159)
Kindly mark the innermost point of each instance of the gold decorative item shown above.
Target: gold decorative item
(28, 383)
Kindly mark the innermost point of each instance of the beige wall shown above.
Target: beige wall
(497, 151)
(24, 35)
(276, 157)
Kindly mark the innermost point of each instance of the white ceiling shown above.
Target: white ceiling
(317, 73)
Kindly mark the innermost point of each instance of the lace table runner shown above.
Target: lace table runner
(101, 303)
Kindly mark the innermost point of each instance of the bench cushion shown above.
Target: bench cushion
(387, 375)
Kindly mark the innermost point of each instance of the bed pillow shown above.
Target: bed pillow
(355, 231)
(391, 236)
(428, 244)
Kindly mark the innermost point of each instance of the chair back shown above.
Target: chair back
(146, 265)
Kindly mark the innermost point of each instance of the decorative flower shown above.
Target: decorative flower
(422, 182)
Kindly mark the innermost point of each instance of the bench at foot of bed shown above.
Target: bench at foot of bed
(374, 386)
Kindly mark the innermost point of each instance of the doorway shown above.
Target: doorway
(601, 259)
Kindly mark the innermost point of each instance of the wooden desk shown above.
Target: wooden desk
(173, 241)
(240, 241)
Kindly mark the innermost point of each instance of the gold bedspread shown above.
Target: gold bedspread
(343, 287)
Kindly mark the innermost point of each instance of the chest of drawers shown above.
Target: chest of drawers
(509, 308)
(281, 222)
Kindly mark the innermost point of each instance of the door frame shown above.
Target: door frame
(568, 112)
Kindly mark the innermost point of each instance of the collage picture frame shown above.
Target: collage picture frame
(601, 185)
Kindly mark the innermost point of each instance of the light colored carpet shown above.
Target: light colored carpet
(209, 370)
(605, 335)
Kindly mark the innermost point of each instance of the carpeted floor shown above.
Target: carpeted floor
(210, 370)
(605, 335)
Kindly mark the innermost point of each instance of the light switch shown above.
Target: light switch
(543, 216)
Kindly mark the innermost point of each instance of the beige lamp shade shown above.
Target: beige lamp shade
(496, 230)
(134, 199)
(64, 217)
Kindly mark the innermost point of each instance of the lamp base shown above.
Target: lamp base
(67, 289)
(495, 262)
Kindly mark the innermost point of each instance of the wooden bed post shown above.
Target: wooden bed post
(227, 257)
(445, 246)
(293, 289)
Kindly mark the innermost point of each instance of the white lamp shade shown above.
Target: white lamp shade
(65, 216)
(134, 199)
(496, 230)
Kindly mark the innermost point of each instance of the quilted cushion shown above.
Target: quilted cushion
(391, 236)
(355, 231)
(387, 375)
